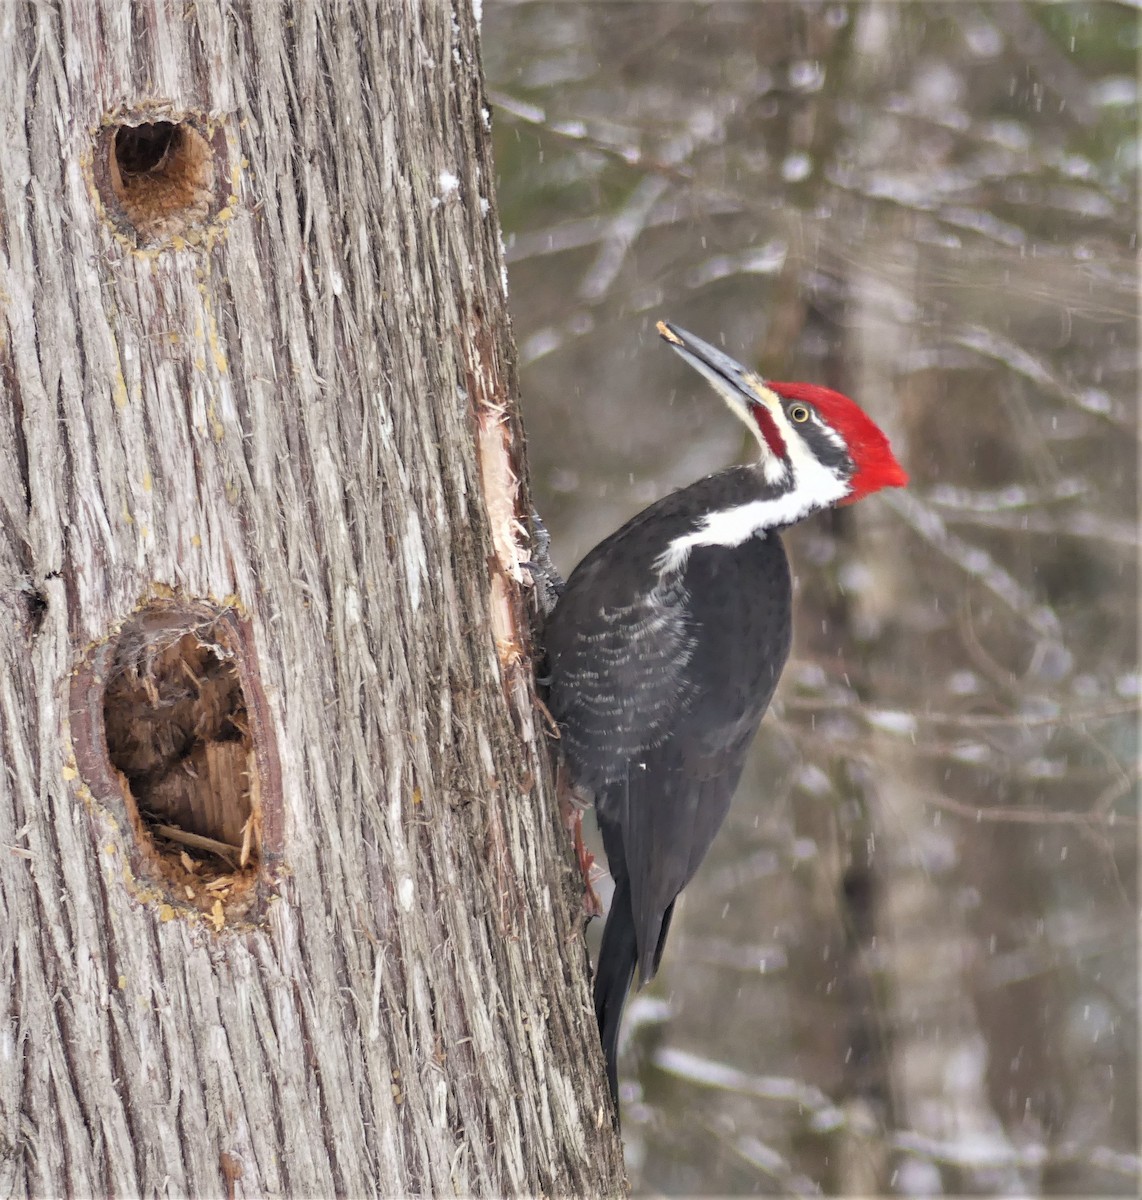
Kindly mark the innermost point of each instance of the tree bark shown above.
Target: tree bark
(284, 903)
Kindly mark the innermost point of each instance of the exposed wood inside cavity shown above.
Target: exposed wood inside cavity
(157, 178)
(178, 733)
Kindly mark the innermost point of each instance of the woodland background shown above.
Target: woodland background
(911, 959)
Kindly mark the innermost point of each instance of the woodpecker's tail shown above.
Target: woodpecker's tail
(613, 975)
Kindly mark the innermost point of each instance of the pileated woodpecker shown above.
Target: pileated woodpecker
(667, 642)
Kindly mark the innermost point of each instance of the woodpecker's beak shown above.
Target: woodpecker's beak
(738, 386)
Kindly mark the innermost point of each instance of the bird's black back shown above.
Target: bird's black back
(659, 688)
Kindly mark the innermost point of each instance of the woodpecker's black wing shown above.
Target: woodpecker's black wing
(657, 826)
(618, 670)
(621, 637)
(658, 695)
(658, 682)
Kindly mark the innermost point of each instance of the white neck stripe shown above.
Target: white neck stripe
(817, 488)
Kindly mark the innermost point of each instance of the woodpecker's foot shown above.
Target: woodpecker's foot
(549, 584)
(588, 868)
(571, 812)
(592, 873)
(552, 724)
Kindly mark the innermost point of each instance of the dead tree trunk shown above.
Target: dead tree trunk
(284, 905)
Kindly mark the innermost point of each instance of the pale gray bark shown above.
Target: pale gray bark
(277, 401)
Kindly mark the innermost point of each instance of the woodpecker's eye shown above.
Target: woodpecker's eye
(799, 413)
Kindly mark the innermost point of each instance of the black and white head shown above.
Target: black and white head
(816, 447)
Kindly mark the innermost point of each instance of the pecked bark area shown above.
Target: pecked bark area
(284, 904)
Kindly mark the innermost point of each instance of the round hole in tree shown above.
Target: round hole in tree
(158, 179)
(170, 723)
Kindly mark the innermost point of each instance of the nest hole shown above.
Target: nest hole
(157, 178)
(178, 733)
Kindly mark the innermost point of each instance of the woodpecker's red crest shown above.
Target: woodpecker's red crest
(876, 465)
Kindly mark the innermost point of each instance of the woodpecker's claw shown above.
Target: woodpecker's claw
(552, 724)
(571, 811)
(591, 872)
(549, 583)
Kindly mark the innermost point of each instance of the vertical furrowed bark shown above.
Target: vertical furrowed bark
(272, 398)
